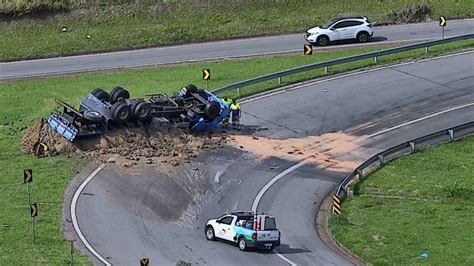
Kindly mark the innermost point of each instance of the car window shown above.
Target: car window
(341, 25)
(270, 223)
(353, 23)
(227, 220)
(348, 23)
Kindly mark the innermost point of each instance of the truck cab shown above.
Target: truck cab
(247, 229)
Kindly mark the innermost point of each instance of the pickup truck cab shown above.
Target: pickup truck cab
(247, 229)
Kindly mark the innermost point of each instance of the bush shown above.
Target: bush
(410, 14)
(16, 8)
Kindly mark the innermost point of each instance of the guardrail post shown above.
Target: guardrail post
(279, 80)
(325, 70)
(359, 172)
(375, 59)
(238, 92)
(412, 145)
(451, 133)
(426, 49)
(381, 159)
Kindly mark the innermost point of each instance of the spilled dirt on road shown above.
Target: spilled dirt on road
(126, 146)
(338, 150)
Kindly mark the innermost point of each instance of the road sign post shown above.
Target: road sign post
(27, 178)
(442, 23)
(34, 213)
(72, 252)
(206, 75)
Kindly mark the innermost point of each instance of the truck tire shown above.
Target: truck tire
(242, 244)
(120, 112)
(101, 94)
(141, 110)
(212, 110)
(92, 116)
(117, 94)
(210, 233)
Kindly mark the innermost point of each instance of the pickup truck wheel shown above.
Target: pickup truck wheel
(118, 93)
(101, 94)
(242, 244)
(210, 233)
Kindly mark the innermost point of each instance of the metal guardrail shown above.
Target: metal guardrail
(375, 55)
(409, 147)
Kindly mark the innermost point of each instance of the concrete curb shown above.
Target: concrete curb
(322, 229)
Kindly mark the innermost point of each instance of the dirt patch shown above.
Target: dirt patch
(127, 146)
(336, 150)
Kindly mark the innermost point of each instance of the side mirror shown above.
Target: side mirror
(218, 221)
(332, 28)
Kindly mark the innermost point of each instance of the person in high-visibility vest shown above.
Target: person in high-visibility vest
(235, 114)
(227, 101)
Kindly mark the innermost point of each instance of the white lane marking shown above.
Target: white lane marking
(218, 176)
(420, 119)
(260, 194)
(359, 72)
(74, 217)
(235, 206)
(285, 259)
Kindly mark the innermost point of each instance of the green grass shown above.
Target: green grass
(157, 22)
(26, 102)
(417, 203)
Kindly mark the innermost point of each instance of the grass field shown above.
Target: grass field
(159, 22)
(418, 203)
(25, 102)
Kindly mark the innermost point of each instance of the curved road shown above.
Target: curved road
(214, 51)
(118, 212)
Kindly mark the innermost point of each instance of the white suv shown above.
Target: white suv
(359, 28)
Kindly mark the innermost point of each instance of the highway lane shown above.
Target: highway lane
(119, 218)
(213, 51)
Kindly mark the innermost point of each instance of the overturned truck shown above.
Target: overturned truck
(100, 112)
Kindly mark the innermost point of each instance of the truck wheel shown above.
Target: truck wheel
(118, 93)
(141, 110)
(120, 112)
(101, 94)
(210, 233)
(92, 116)
(242, 244)
(212, 110)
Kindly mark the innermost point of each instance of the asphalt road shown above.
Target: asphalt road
(214, 51)
(124, 229)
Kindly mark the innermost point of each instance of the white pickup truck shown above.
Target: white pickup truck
(247, 229)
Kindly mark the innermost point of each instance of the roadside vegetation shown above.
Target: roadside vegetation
(417, 209)
(31, 29)
(26, 102)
